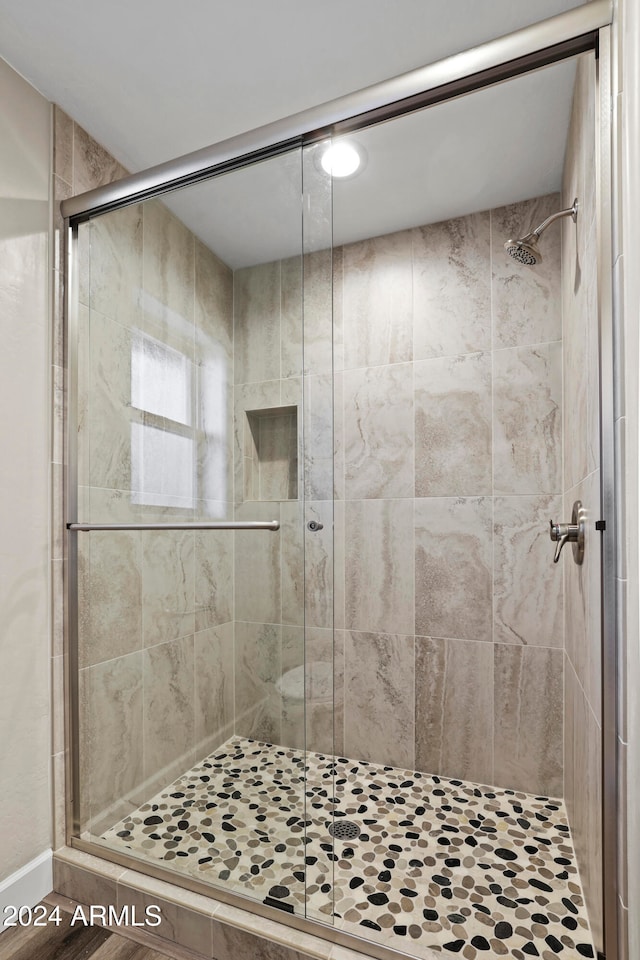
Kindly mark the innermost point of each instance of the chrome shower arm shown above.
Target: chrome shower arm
(570, 211)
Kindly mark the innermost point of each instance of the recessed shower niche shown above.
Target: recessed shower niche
(271, 454)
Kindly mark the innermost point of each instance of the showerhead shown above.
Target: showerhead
(526, 250)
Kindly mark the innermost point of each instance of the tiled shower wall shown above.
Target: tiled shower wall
(155, 632)
(284, 583)
(583, 745)
(448, 465)
(156, 609)
(447, 358)
(451, 439)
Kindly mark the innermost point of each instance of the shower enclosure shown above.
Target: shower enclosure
(321, 663)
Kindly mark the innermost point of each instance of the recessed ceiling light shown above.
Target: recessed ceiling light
(342, 159)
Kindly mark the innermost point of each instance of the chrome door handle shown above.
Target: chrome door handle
(570, 533)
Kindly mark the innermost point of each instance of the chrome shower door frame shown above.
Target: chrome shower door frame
(579, 30)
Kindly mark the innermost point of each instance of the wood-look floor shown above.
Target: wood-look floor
(64, 942)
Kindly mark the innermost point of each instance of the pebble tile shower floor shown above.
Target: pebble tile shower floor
(439, 864)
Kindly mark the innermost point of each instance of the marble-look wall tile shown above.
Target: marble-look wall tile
(526, 301)
(325, 672)
(276, 448)
(451, 287)
(169, 709)
(109, 596)
(339, 563)
(107, 435)
(527, 584)
(379, 709)
(92, 165)
(583, 632)
(232, 942)
(168, 585)
(257, 576)
(59, 781)
(312, 689)
(453, 426)
(256, 310)
(62, 191)
(57, 698)
(292, 536)
(338, 461)
(338, 309)
(168, 298)
(62, 145)
(57, 607)
(320, 423)
(213, 578)
(527, 412)
(85, 886)
(214, 470)
(454, 708)
(575, 357)
(294, 686)
(378, 432)
(570, 690)
(377, 301)
(181, 925)
(318, 565)
(258, 701)
(293, 327)
(528, 739)
(319, 320)
(114, 283)
(111, 737)
(213, 307)
(586, 815)
(214, 687)
(379, 566)
(58, 414)
(453, 575)
(249, 397)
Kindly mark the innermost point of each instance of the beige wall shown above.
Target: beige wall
(583, 672)
(25, 725)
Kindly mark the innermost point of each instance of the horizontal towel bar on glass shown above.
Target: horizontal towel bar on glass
(217, 525)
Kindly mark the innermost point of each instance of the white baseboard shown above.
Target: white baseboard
(27, 886)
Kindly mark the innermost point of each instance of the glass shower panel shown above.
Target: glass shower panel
(450, 358)
(193, 403)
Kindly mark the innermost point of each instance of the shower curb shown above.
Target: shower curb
(203, 927)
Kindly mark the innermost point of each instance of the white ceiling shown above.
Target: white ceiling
(497, 146)
(153, 79)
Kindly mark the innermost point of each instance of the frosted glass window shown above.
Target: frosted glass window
(160, 380)
(161, 467)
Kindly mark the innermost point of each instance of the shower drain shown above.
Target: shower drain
(344, 830)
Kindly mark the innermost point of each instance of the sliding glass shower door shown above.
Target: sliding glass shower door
(201, 543)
